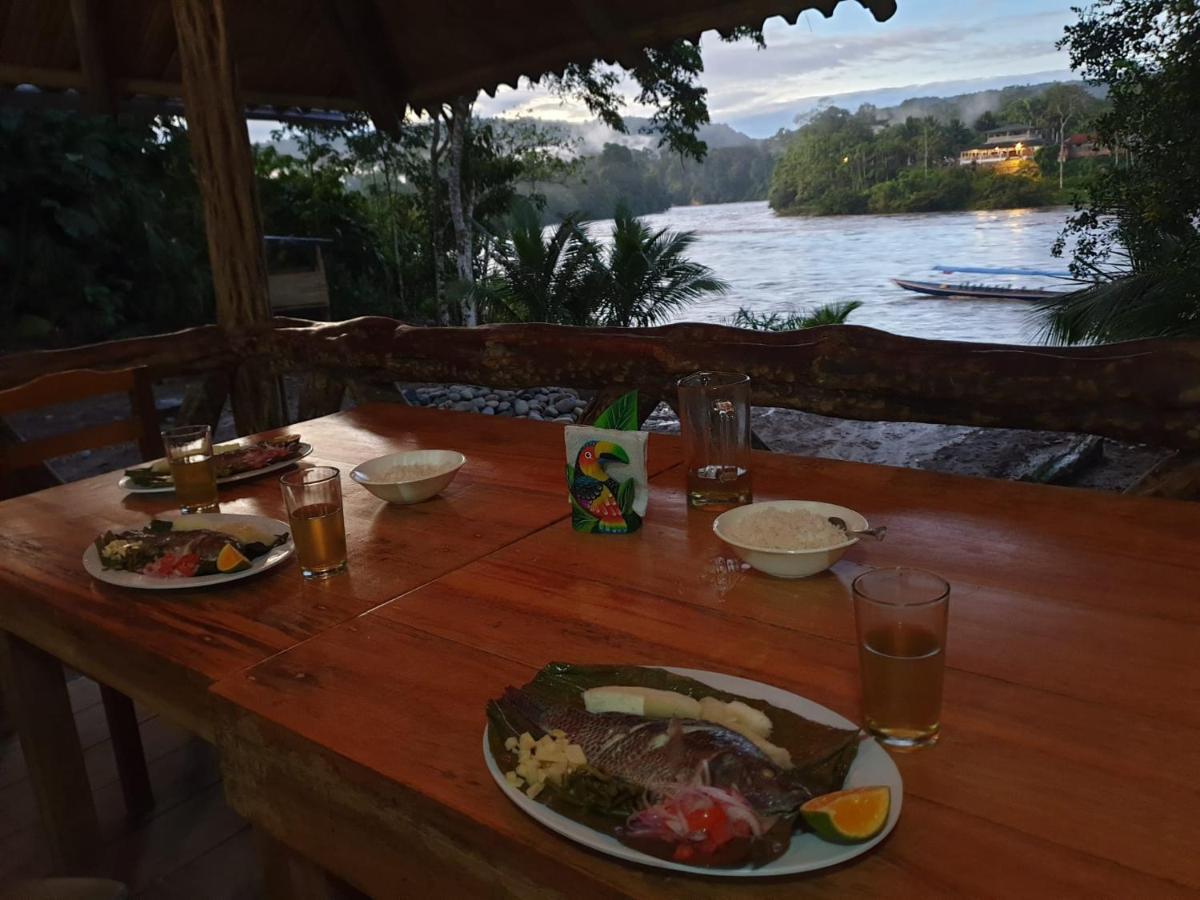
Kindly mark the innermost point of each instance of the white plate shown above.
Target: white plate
(872, 766)
(126, 483)
(276, 555)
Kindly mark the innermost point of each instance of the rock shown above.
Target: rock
(534, 414)
(566, 419)
(503, 406)
(521, 406)
(467, 394)
(491, 404)
(488, 411)
(454, 396)
(565, 405)
(478, 403)
(492, 396)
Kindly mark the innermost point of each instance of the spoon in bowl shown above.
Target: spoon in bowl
(878, 533)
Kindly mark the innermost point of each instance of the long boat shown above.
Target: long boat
(984, 291)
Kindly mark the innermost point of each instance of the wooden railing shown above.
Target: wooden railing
(1144, 391)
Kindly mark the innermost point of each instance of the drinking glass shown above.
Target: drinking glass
(901, 621)
(314, 503)
(190, 456)
(714, 420)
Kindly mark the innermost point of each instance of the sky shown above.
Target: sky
(936, 47)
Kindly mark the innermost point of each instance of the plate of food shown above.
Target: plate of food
(188, 551)
(235, 461)
(690, 770)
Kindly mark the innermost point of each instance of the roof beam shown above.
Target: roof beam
(357, 31)
(99, 98)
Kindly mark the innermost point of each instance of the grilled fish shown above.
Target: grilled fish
(663, 755)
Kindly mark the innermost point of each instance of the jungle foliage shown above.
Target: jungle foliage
(1137, 237)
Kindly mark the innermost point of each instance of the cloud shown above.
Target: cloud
(939, 41)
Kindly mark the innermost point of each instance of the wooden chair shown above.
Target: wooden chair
(23, 469)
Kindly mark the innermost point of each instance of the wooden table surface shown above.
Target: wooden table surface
(165, 648)
(1072, 700)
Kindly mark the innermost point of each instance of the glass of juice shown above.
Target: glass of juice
(190, 455)
(900, 616)
(314, 504)
(714, 421)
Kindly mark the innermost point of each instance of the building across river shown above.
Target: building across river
(1011, 142)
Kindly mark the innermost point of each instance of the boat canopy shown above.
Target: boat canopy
(973, 270)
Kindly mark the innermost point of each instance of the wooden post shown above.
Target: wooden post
(41, 711)
(225, 169)
(98, 98)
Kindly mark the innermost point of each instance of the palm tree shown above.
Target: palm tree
(1153, 293)
(542, 279)
(828, 314)
(644, 277)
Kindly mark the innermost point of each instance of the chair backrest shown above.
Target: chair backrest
(79, 384)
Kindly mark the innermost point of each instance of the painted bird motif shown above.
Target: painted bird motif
(595, 490)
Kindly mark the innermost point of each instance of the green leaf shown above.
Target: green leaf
(625, 495)
(581, 519)
(622, 415)
(570, 477)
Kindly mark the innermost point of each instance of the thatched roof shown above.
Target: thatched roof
(340, 54)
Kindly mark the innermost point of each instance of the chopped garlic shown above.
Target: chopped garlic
(549, 759)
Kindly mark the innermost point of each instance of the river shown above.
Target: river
(780, 264)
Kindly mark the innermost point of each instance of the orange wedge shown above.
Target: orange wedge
(848, 817)
(230, 559)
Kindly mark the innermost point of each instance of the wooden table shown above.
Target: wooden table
(166, 650)
(1072, 702)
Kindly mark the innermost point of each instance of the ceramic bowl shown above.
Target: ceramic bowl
(376, 474)
(789, 563)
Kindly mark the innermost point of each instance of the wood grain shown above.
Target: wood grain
(164, 651)
(1141, 391)
(224, 164)
(1071, 727)
(287, 61)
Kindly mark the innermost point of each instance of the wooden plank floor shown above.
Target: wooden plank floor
(190, 845)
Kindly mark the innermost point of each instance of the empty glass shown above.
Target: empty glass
(901, 621)
(190, 456)
(314, 504)
(714, 420)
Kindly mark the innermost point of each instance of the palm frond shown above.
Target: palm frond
(1142, 305)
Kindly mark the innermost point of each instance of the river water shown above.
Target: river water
(778, 264)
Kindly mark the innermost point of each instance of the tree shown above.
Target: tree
(1136, 240)
(642, 276)
(645, 276)
(1064, 104)
(462, 199)
(826, 314)
(540, 277)
(101, 232)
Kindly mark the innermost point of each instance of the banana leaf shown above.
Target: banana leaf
(622, 415)
(821, 754)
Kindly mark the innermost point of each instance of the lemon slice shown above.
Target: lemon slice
(230, 559)
(848, 817)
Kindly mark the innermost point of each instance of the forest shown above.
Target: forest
(844, 163)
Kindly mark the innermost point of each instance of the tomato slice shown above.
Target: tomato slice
(187, 564)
